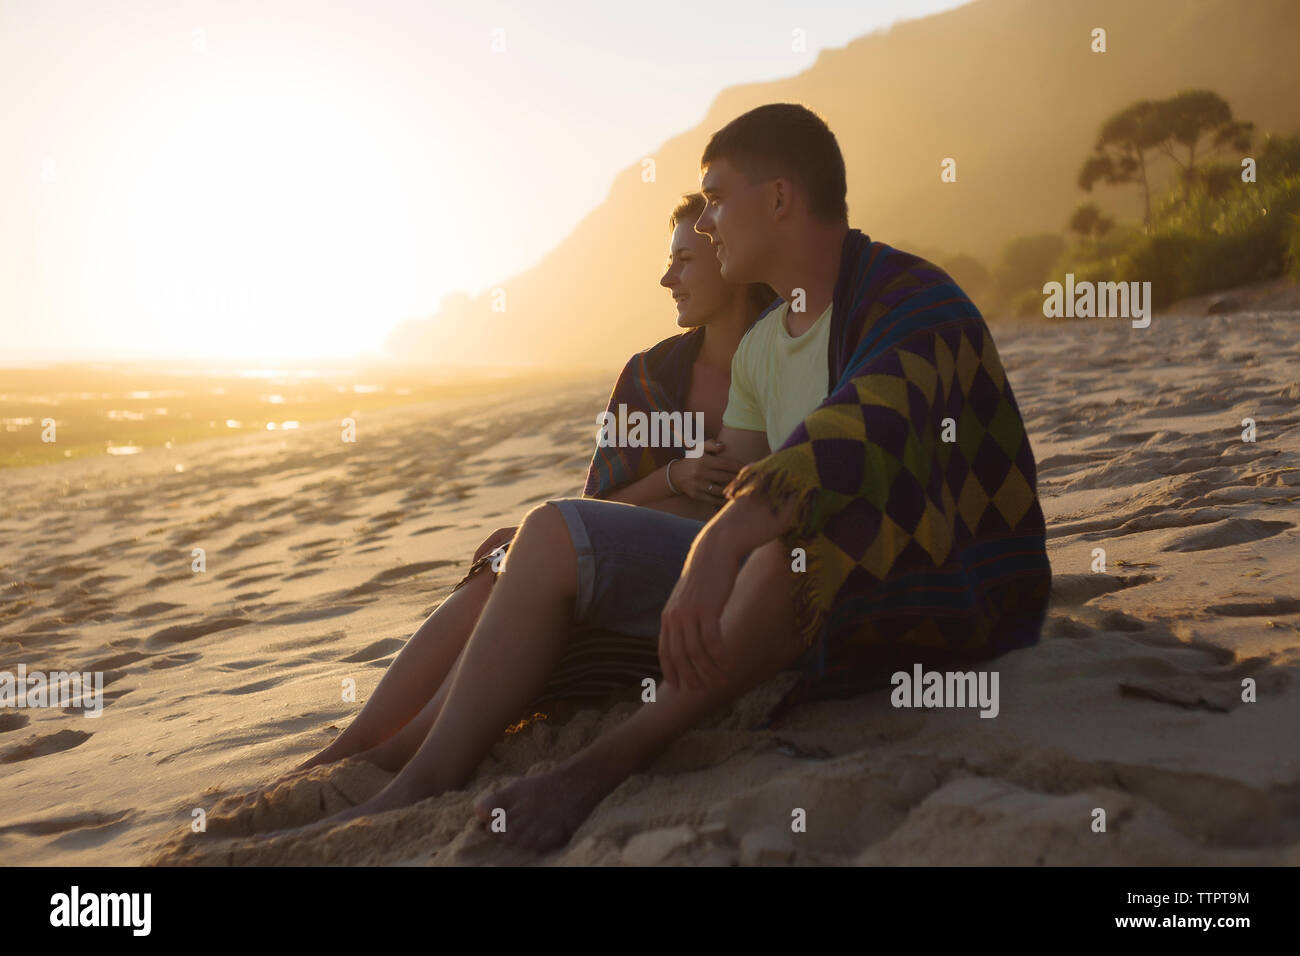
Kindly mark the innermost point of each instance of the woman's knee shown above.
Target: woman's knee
(542, 542)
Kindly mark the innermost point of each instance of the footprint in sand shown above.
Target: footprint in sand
(374, 651)
(244, 665)
(1227, 533)
(178, 633)
(303, 574)
(1072, 589)
(396, 574)
(311, 544)
(78, 821)
(116, 661)
(1277, 605)
(298, 643)
(430, 530)
(256, 686)
(173, 660)
(252, 579)
(43, 746)
(314, 614)
(13, 722)
(156, 608)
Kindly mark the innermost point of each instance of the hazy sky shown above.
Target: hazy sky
(291, 178)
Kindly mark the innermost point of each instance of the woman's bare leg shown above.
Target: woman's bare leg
(415, 677)
(518, 640)
(759, 639)
(393, 753)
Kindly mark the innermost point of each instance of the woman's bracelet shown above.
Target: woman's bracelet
(668, 473)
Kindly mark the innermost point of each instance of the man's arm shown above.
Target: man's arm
(744, 445)
(690, 635)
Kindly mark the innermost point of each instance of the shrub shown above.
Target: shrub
(1293, 248)
(1224, 262)
(1027, 303)
(1161, 260)
(1026, 263)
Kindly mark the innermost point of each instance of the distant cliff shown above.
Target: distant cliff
(1008, 88)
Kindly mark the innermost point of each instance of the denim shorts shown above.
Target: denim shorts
(629, 560)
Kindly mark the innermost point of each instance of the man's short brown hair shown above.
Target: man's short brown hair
(688, 209)
(791, 141)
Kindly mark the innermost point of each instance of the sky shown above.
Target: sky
(289, 179)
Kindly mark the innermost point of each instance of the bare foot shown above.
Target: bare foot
(338, 750)
(542, 812)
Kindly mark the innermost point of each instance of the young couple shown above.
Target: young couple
(867, 501)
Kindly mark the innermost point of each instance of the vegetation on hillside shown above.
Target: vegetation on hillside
(1231, 215)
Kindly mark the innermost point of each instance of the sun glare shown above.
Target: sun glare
(262, 216)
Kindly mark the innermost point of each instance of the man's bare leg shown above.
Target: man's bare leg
(518, 640)
(414, 679)
(758, 632)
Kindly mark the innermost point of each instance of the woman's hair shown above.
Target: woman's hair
(688, 209)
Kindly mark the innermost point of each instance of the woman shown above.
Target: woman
(688, 372)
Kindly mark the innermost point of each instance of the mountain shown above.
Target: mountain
(1010, 89)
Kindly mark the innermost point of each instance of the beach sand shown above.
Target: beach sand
(323, 556)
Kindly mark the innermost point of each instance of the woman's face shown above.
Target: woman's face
(695, 278)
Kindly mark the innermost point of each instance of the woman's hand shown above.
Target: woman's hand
(704, 478)
(494, 541)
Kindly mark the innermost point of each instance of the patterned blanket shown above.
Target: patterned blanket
(656, 380)
(917, 505)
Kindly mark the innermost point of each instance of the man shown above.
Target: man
(841, 552)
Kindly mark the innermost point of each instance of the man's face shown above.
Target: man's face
(734, 220)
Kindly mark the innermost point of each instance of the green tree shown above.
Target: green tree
(1124, 144)
(1193, 114)
(1131, 138)
(1087, 221)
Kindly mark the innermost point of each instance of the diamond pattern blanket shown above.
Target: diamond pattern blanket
(915, 487)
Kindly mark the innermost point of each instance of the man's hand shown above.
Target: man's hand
(690, 630)
(691, 651)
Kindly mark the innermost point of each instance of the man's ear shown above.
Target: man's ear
(781, 198)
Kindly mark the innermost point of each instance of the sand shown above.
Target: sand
(323, 556)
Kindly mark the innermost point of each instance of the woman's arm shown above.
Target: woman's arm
(653, 487)
(702, 478)
(686, 507)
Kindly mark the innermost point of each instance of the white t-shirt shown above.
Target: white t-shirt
(776, 379)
